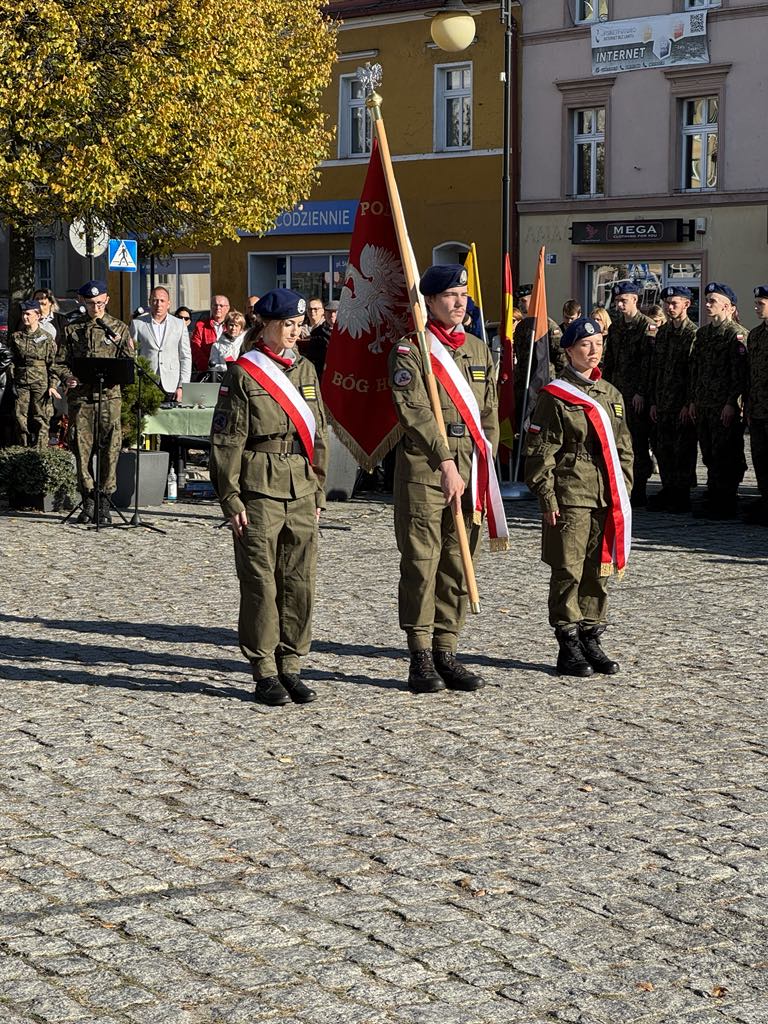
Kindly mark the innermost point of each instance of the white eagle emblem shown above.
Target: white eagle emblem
(374, 300)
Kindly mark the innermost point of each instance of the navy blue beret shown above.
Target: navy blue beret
(29, 304)
(676, 291)
(523, 290)
(626, 288)
(440, 278)
(280, 304)
(92, 288)
(721, 289)
(584, 327)
(761, 292)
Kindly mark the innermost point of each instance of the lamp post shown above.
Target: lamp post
(452, 29)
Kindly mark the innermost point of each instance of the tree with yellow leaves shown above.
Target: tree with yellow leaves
(181, 121)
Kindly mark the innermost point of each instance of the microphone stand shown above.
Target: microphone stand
(136, 518)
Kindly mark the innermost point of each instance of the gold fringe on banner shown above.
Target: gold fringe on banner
(362, 458)
(498, 543)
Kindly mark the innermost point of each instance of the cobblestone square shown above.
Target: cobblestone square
(547, 849)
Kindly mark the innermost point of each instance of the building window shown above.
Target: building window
(587, 11)
(650, 275)
(44, 263)
(589, 152)
(187, 279)
(699, 143)
(354, 119)
(453, 107)
(698, 5)
(313, 274)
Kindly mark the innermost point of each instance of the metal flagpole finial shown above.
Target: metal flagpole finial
(370, 77)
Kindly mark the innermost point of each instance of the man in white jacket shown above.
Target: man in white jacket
(163, 339)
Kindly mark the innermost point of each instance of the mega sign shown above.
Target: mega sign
(611, 231)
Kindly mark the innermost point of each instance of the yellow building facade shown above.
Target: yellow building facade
(443, 114)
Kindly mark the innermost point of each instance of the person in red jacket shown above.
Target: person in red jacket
(208, 331)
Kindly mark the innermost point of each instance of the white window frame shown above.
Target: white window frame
(441, 96)
(581, 18)
(705, 130)
(346, 105)
(591, 139)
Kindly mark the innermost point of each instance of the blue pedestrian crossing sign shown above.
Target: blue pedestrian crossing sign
(123, 254)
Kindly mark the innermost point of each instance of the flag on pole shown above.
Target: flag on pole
(539, 335)
(474, 291)
(506, 364)
(374, 313)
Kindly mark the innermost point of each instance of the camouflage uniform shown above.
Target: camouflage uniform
(719, 377)
(565, 470)
(522, 348)
(34, 356)
(757, 405)
(258, 465)
(84, 339)
(627, 362)
(676, 442)
(432, 596)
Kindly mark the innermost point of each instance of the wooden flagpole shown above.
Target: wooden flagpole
(370, 77)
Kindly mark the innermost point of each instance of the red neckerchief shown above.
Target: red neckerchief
(273, 355)
(453, 339)
(596, 374)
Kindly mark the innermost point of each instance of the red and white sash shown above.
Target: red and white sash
(277, 383)
(617, 538)
(486, 495)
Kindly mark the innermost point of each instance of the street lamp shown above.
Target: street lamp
(453, 27)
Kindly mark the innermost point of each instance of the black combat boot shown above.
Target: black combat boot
(638, 498)
(596, 656)
(422, 677)
(105, 513)
(660, 501)
(571, 660)
(454, 674)
(680, 501)
(271, 691)
(88, 511)
(298, 691)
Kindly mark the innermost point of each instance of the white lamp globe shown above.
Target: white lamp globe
(453, 30)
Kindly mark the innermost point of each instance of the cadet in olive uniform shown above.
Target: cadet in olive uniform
(676, 444)
(522, 348)
(757, 405)
(95, 335)
(430, 475)
(35, 376)
(719, 378)
(272, 494)
(627, 367)
(565, 467)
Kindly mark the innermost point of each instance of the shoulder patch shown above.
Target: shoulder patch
(618, 410)
(653, 328)
(402, 377)
(534, 429)
(220, 421)
(477, 373)
(404, 350)
(223, 390)
(308, 392)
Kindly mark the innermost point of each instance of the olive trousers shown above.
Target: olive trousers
(432, 595)
(276, 561)
(577, 591)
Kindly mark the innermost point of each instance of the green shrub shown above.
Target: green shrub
(38, 471)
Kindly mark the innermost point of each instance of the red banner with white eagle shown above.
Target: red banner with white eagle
(374, 312)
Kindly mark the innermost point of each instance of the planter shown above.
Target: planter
(153, 477)
(37, 502)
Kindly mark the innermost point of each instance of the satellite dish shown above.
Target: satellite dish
(100, 238)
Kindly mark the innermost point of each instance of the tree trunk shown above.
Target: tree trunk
(21, 270)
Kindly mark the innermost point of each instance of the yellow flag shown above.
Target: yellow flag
(473, 283)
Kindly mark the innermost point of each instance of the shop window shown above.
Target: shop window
(699, 143)
(453, 107)
(589, 152)
(44, 263)
(354, 119)
(652, 276)
(310, 273)
(187, 278)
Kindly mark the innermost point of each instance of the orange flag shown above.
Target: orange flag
(506, 364)
(538, 323)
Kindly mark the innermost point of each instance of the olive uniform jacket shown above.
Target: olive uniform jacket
(628, 354)
(246, 415)
(719, 368)
(757, 346)
(564, 463)
(423, 447)
(34, 356)
(84, 339)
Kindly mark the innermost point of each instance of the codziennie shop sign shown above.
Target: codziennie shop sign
(602, 232)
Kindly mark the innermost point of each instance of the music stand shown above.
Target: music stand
(99, 372)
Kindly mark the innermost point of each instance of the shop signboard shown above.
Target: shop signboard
(665, 40)
(602, 232)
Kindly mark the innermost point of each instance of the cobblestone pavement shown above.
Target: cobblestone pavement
(545, 850)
